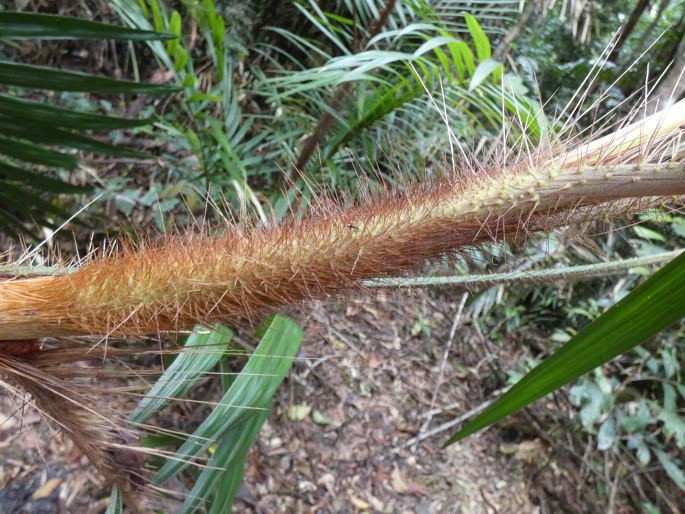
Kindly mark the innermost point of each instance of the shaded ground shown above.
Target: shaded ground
(372, 382)
(337, 441)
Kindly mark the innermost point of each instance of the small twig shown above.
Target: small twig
(446, 408)
(312, 366)
(568, 273)
(449, 424)
(504, 45)
(347, 342)
(443, 364)
(486, 501)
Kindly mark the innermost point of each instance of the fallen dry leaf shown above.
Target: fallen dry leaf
(404, 486)
(46, 489)
(360, 504)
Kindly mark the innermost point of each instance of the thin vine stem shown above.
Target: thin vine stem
(568, 273)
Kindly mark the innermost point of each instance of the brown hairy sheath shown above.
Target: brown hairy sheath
(185, 280)
(97, 431)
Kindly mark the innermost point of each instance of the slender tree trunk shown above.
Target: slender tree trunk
(628, 28)
(340, 94)
(672, 86)
(647, 35)
(504, 46)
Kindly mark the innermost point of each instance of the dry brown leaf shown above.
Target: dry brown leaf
(360, 504)
(46, 489)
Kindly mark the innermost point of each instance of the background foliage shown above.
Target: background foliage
(305, 95)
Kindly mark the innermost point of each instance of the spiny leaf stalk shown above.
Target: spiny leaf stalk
(190, 279)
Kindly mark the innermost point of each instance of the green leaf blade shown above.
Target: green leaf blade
(19, 108)
(654, 305)
(36, 154)
(24, 25)
(41, 77)
(249, 395)
(480, 38)
(201, 352)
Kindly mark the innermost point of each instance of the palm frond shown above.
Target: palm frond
(35, 133)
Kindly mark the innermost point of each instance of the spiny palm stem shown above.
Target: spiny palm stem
(193, 279)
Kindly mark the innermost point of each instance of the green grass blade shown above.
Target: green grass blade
(248, 395)
(202, 351)
(23, 25)
(115, 504)
(59, 117)
(649, 308)
(40, 77)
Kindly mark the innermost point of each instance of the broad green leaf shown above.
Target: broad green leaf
(467, 55)
(640, 420)
(674, 426)
(670, 398)
(678, 226)
(41, 77)
(637, 442)
(298, 412)
(249, 395)
(590, 398)
(23, 25)
(158, 16)
(670, 361)
(648, 233)
(432, 44)
(606, 434)
(175, 24)
(225, 471)
(411, 29)
(201, 352)
(652, 306)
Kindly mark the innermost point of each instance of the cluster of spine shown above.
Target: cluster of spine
(98, 432)
(192, 279)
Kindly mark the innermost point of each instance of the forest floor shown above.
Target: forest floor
(338, 439)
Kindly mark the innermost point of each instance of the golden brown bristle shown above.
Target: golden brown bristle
(185, 280)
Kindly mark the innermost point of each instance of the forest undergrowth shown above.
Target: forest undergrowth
(242, 233)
